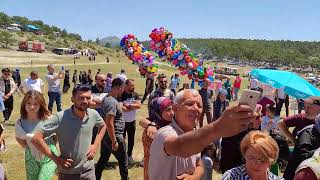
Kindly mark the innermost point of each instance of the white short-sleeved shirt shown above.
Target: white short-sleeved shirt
(30, 84)
(281, 93)
(164, 166)
(253, 83)
(53, 84)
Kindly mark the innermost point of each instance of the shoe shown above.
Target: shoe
(130, 160)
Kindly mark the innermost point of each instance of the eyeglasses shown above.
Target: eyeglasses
(103, 80)
(256, 160)
(6, 74)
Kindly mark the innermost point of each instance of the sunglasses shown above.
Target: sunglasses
(163, 81)
(82, 87)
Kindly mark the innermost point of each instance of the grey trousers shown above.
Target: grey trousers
(87, 175)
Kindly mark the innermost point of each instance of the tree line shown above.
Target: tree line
(6, 20)
(295, 53)
(276, 52)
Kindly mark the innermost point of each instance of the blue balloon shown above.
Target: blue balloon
(211, 78)
(200, 83)
(161, 54)
(173, 43)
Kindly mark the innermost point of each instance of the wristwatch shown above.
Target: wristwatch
(151, 124)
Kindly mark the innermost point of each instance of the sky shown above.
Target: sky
(247, 19)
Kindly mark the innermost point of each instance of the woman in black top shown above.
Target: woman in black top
(66, 82)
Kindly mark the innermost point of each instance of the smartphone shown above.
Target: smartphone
(62, 68)
(250, 98)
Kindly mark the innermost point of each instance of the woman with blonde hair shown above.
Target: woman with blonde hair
(33, 113)
(260, 151)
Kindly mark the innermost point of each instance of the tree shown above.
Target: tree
(75, 36)
(107, 45)
(64, 33)
(5, 20)
(6, 38)
(98, 41)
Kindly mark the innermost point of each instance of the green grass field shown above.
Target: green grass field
(13, 160)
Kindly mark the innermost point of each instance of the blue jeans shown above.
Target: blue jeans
(54, 96)
(208, 166)
(236, 92)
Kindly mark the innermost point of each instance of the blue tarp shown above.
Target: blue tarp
(30, 26)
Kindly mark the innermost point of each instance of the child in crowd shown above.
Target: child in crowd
(269, 122)
(33, 113)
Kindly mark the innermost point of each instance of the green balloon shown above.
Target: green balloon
(201, 73)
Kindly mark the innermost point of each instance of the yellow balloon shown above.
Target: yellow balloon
(152, 69)
(139, 49)
(134, 44)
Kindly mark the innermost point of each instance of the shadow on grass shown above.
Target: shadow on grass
(113, 165)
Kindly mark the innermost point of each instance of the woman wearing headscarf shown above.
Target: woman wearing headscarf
(160, 115)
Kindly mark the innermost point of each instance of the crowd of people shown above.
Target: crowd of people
(236, 140)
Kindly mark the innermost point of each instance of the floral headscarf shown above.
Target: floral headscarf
(157, 106)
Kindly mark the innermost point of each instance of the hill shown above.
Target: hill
(52, 36)
(113, 41)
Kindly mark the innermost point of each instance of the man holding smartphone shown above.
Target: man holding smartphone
(54, 89)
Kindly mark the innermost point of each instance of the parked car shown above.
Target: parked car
(13, 28)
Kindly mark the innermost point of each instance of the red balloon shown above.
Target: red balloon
(187, 58)
(163, 37)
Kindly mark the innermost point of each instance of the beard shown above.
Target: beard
(81, 107)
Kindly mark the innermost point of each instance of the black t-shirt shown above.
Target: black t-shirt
(151, 84)
(129, 96)
(7, 86)
(18, 78)
(85, 79)
(94, 89)
(66, 80)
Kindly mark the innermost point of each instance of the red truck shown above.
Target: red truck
(32, 46)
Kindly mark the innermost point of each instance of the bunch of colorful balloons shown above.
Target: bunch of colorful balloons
(179, 55)
(135, 51)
